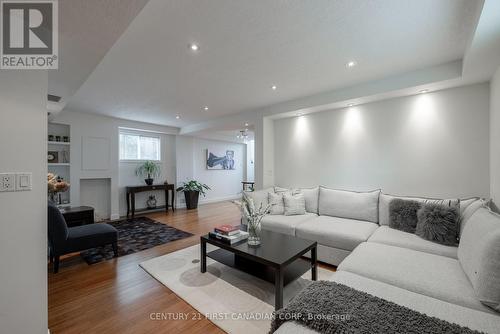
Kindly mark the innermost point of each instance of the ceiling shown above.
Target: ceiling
(302, 47)
(87, 30)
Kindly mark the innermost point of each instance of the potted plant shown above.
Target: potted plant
(150, 170)
(192, 190)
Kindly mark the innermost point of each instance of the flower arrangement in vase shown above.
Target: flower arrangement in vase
(253, 217)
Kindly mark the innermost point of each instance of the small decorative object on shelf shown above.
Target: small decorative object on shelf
(149, 169)
(65, 157)
(51, 137)
(192, 190)
(53, 157)
(151, 202)
(58, 138)
(56, 186)
(66, 139)
(253, 216)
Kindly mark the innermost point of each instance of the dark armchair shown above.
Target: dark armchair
(64, 240)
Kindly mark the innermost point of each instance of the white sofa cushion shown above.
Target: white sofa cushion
(312, 197)
(389, 236)
(385, 200)
(349, 204)
(260, 196)
(432, 275)
(277, 204)
(465, 202)
(479, 255)
(285, 224)
(294, 204)
(469, 211)
(336, 232)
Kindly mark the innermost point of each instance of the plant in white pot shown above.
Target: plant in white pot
(192, 190)
(149, 170)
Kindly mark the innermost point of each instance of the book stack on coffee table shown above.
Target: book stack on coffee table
(228, 234)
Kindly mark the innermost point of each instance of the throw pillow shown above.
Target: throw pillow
(438, 223)
(403, 214)
(277, 205)
(294, 204)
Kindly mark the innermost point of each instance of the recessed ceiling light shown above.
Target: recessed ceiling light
(177, 117)
(205, 108)
(194, 47)
(423, 91)
(351, 64)
(350, 105)
(274, 87)
(246, 124)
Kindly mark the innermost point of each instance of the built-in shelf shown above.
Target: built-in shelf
(58, 143)
(58, 164)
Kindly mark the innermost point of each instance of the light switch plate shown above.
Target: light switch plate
(23, 181)
(7, 182)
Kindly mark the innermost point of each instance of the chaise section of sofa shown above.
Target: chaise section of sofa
(485, 322)
(389, 236)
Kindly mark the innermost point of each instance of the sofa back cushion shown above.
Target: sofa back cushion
(385, 200)
(311, 196)
(349, 204)
(469, 211)
(260, 197)
(479, 256)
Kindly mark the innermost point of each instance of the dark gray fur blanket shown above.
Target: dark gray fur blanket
(329, 307)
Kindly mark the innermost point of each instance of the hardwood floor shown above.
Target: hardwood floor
(117, 296)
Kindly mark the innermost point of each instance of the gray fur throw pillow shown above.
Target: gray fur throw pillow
(438, 223)
(403, 214)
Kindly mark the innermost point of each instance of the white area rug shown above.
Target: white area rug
(235, 301)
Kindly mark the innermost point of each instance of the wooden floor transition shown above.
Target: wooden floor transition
(117, 296)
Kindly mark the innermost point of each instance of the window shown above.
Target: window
(139, 147)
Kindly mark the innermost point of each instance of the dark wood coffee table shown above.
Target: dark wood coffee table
(278, 259)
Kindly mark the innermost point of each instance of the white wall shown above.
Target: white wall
(495, 139)
(23, 215)
(191, 164)
(264, 153)
(250, 161)
(434, 144)
(104, 131)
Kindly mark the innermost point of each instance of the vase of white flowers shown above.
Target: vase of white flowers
(253, 216)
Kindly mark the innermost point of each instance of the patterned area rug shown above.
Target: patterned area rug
(135, 235)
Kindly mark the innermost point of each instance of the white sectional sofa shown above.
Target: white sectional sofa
(458, 284)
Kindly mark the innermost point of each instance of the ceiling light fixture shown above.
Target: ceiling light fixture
(177, 117)
(274, 87)
(351, 64)
(205, 108)
(423, 91)
(350, 105)
(246, 124)
(243, 135)
(194, 47)
(300, 114)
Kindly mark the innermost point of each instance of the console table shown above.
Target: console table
(169, 200)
